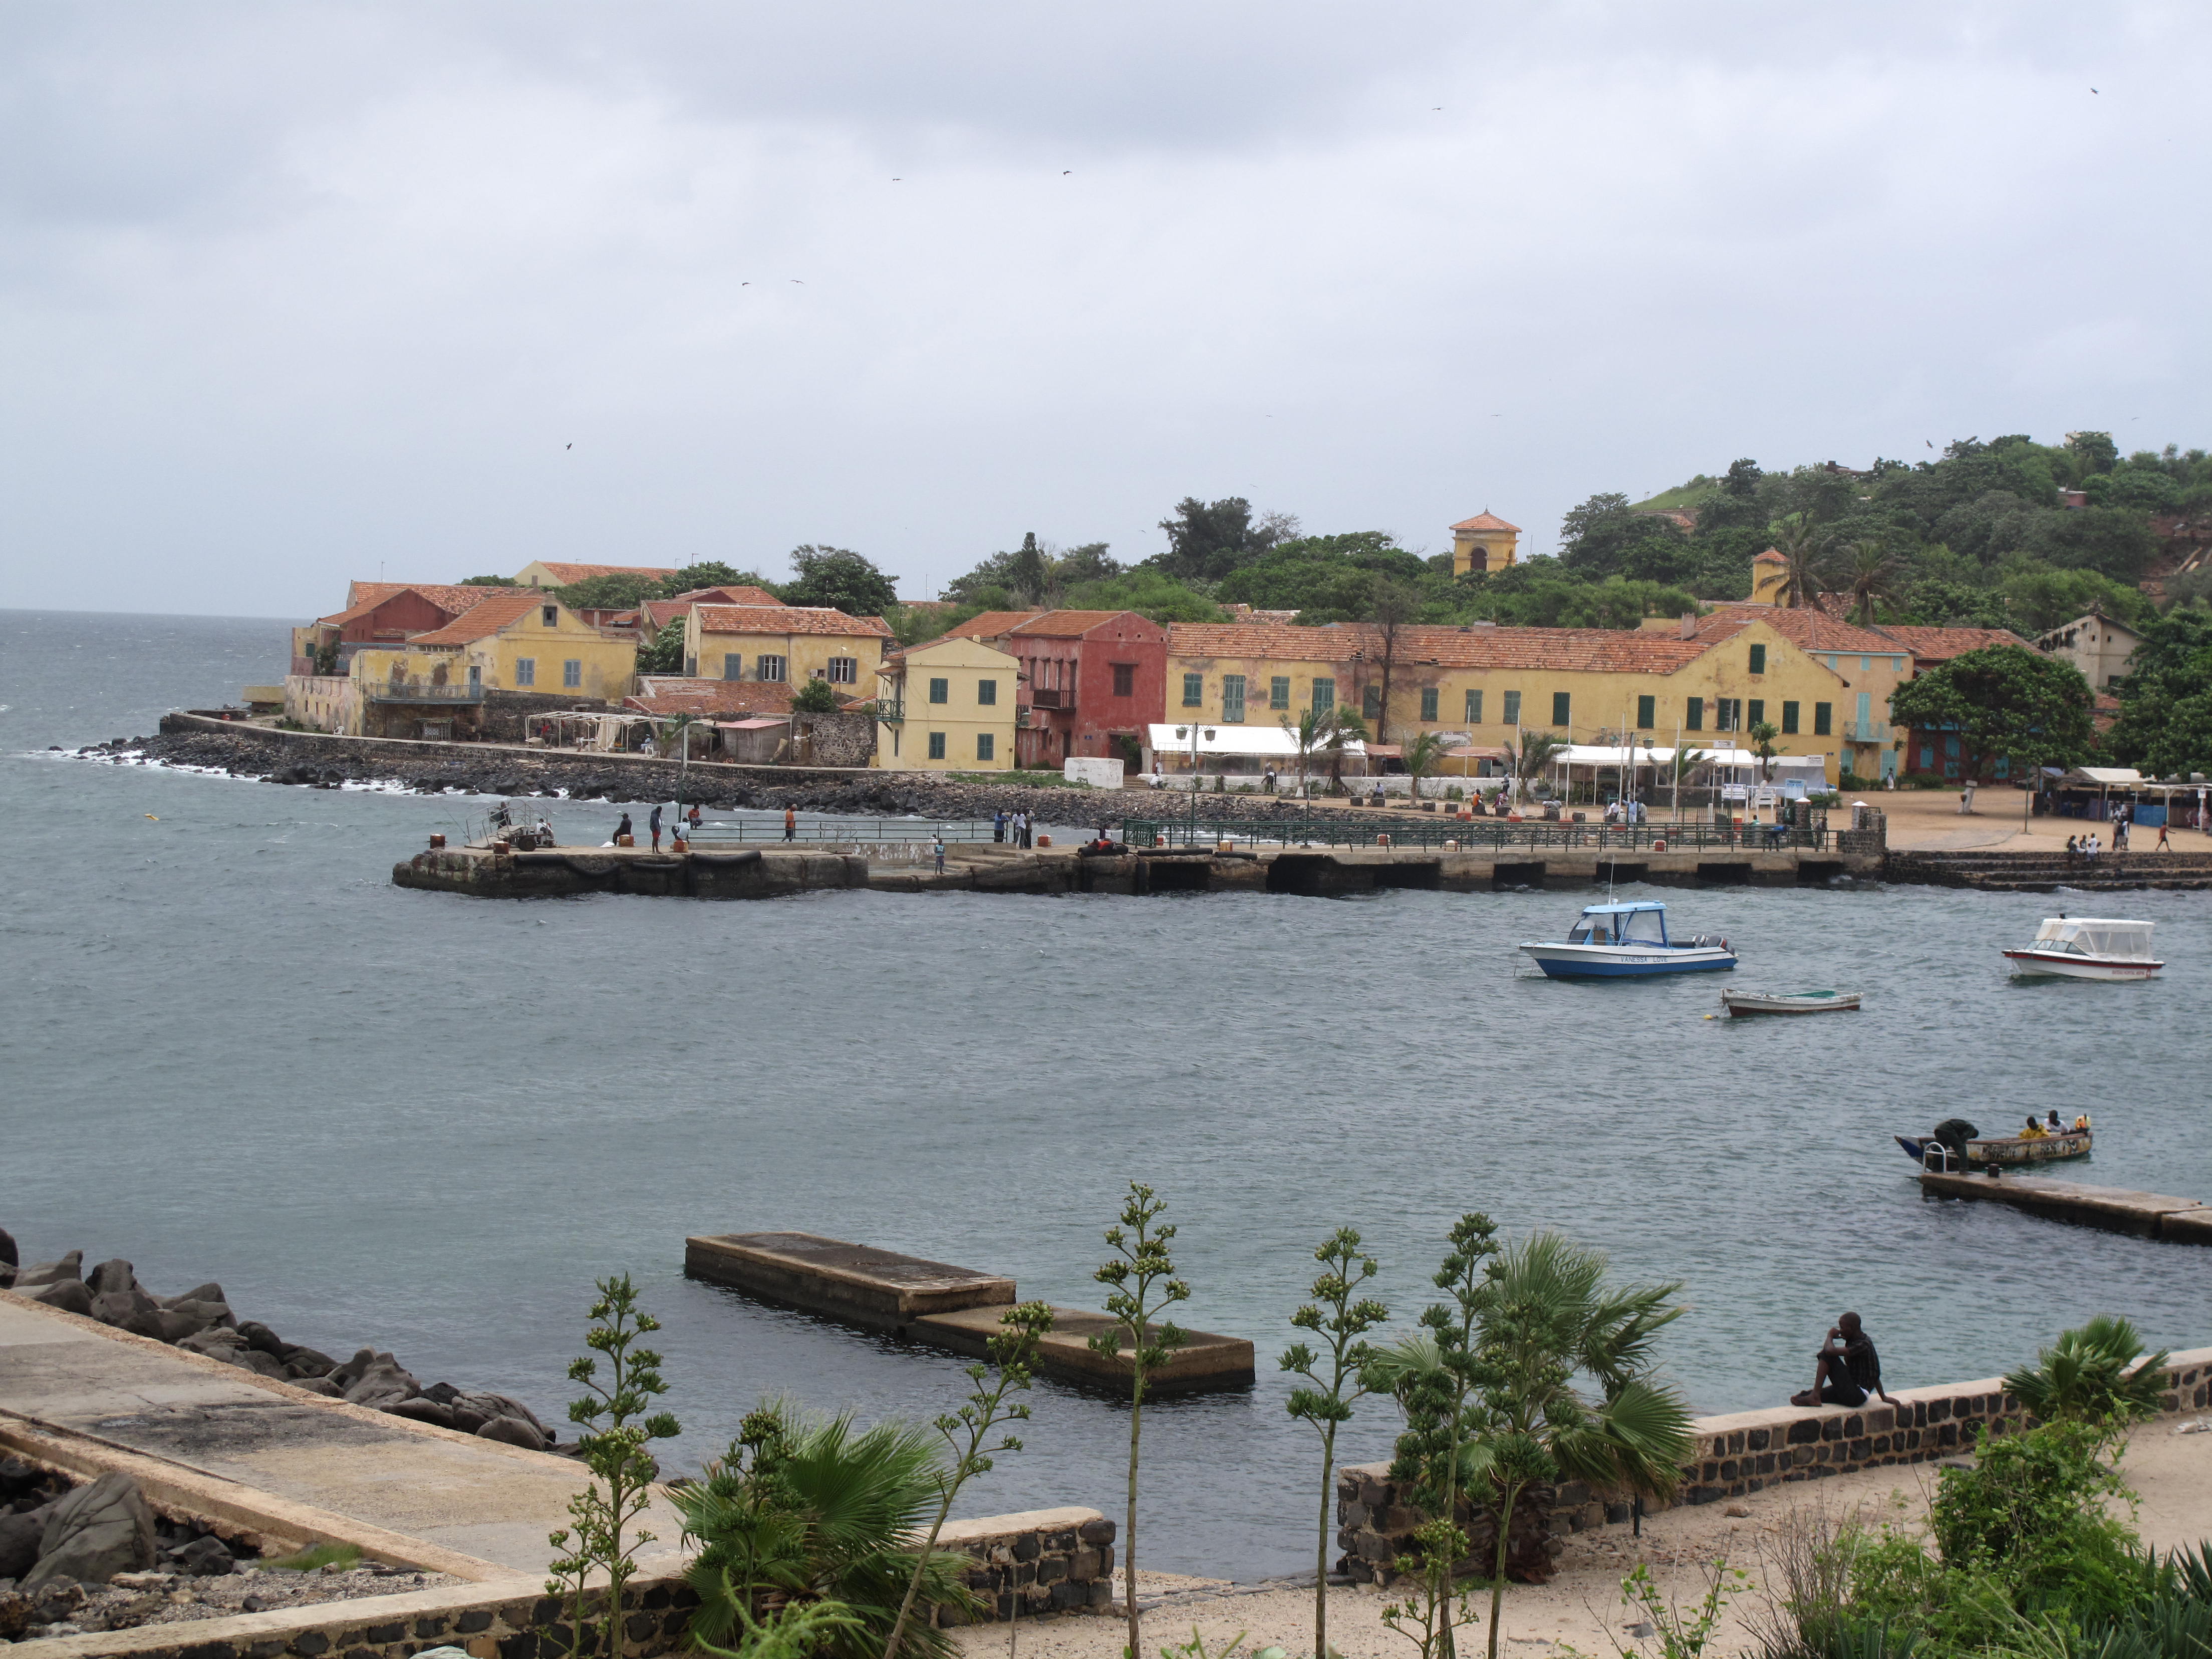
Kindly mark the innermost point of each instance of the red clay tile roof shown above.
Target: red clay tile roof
(1942, 644)
(786, 619)
(1487, 520)
(671, 694)
(452, 598)
(1073, 624)
(1772, 555)
(660, 613)
(1605, 650)
(991, 624)
(563, 574)
(482, 621)
(1806, 628)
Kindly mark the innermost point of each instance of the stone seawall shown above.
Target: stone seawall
(1737, 1453)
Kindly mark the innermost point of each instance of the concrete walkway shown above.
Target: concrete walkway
(291, 1465)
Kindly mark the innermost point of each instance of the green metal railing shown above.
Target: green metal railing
(1351, 829)
(874, 832)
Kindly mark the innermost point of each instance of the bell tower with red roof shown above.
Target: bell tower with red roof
(1484, 542)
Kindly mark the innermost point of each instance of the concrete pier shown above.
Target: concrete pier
(2114, 1209)
(781, 869)
(947, 1307)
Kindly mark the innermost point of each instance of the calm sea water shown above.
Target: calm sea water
(233, 1050)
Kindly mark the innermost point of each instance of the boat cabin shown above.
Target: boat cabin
(1621, 924)
(2095, 936)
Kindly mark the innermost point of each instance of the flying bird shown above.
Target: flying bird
(2093, 89)
(1931, 442)
(1064, 172)
(796, 280)
(567, 445)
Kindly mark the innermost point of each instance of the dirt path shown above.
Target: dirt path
(1581, 1608)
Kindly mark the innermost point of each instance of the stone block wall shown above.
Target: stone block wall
(1043, 1560)
(1736, 1454)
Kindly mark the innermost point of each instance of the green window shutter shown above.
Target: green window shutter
(1758, 660)
(1693, 714)
(1193, 691)
(1560, 701)
(1512, 715)
(1370, 702)
(940, 691)
(1429, 703)
(1232, 698)
(936, 745)
(1475, 709)
(1278, 692)
(1757, 711)
(986, 745)
(1647, 712)
(1788, 718)
(986, 691)
(1324, 694)
(1824, 719)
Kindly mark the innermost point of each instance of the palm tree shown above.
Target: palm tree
(1548, 1315)
(813, 1510)
(1527, 759)
(1341, 727)
(1308, 732)
(1873, 575)
(1795, 540)
(1423, 753)
(1683, 769)
(2093, 1374)
(1762, 737)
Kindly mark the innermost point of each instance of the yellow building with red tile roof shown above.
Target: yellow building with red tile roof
(1484, 542)
(514, 639)
(550, 572)
(785, 644)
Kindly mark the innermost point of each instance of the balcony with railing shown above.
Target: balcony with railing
(1865, 731)
(421, 691)
(891, 710)
(1058, 697)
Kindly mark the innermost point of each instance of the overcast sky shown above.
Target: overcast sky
(294, 293)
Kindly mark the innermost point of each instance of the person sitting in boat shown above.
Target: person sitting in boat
(2051, 1123)
(2035, 1131)
(1846, 1370)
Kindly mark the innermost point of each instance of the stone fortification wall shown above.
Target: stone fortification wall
(1740, 1453)
(1046, 1560)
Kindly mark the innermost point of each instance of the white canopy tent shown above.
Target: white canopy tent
(1171, 746)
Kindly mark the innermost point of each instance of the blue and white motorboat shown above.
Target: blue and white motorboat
(1621, 941)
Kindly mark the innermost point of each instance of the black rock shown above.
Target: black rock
(181, 1319)
(444, 1393)
(68, 1294)
(422, 1409)
(130, 1308)
(19, 1543)
(70, 1268)
(306, 1362)
(207, 1293)
(512, 1431)
(205, 1557)
(382, 1384)
(321, 1385)
(7, 1249)
(261, 1338)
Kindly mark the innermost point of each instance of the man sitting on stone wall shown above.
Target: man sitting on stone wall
(1846, 1370)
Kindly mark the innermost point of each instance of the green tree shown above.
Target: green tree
(2039, 598)
(838, 578)
(1142, 1284)
(1436, 1375)
(2166, 700)
(2006, 702)
(1871, 574)
(1526, 758)
(1547, 1314)
(967, 1430)
(807, 1512)
(1341, 1318)
(815, 697)
(1422, 752)
(1762, 736)
(2097, 1374)
(486, 581)
(1208, 540)
(1026, 573)
(618, 590)
(1797, 539)
(1392, 606)
(663, 653)
(1340, 728)
(1307, 732)
(712, 572)
(1147, 592)
(618, 1425)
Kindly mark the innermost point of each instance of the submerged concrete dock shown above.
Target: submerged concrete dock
(2114, 1209)
(947, 1307)
(782, 869)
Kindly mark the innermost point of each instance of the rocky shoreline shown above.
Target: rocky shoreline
(313, 762)
(201, 1322)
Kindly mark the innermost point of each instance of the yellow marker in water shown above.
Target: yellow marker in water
(151, 816)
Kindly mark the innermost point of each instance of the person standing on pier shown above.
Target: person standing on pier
(790, 824)
(653, 824)
(998, 825)
(937, 847)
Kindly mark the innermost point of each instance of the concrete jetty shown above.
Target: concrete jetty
(782, 869)
(947, 1307)
(2114, 1209)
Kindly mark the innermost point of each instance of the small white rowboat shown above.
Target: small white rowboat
(1739, 1003)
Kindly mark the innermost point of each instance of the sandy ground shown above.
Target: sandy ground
(1929, 820)
(1581, 1609)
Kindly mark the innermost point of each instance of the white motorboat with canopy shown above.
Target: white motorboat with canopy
(1625, 941)
(2088, 947)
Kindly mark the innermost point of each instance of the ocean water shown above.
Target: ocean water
(233, 1050)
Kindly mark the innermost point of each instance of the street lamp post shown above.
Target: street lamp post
(1194, 732)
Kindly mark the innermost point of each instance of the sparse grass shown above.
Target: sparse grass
(315, 1558)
